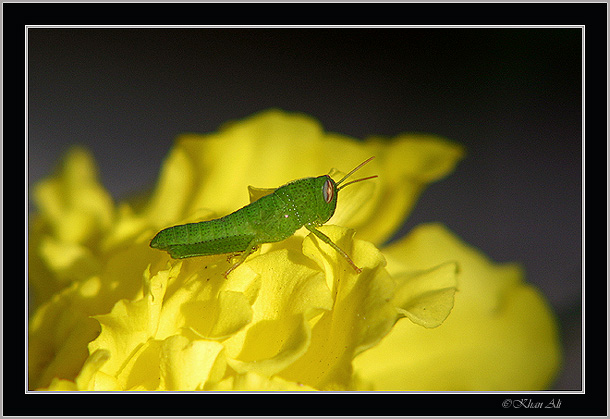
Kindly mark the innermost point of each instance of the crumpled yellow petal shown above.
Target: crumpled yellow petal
(178, 179)
(58, 335)
(74, 210)
(426, 297)
(188, 365)
(291, 294)
(89, 378)
(154, 341)
(251, 381)
(73, 202)
(219, 317)
(63, 324)
(482, 283)
(68, 260)
(501, 334)
(271, 345)
(201, 301)
(130, 324)
(361, 315)
(405, 164)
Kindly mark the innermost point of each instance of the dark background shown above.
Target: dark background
(512, 97)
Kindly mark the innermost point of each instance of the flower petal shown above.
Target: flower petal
(271, 345)
(131, 324)
(218, 317)
(88, 379)
(58, 335)
(202, 301)
(74, 210)
(252, 381)
(481, 282)
(406, 165)
(290, 294)
(180, 355)
(427, 297)
(501, 334)
(175, 186)
(74, 203)
(68, 260)
(362, 313)
(213, 170)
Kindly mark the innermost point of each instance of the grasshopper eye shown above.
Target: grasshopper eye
(328, 191)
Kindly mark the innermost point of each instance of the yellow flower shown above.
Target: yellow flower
(427, 312)
(501, 334)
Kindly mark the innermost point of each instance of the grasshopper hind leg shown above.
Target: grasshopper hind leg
(252, 247)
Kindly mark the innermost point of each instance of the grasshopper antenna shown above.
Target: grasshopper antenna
(352, 172)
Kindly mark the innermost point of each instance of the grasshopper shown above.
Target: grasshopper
(277, 215)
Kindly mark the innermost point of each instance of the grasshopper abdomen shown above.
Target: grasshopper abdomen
(201, 239)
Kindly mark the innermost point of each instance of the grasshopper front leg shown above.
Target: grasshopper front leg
(328, 241)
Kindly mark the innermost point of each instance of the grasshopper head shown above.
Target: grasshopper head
(326, 197)
(327, 190)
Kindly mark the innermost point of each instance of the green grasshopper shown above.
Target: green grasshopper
(275, 216)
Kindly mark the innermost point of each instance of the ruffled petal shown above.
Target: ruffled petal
(178, 359)
(405, 165)
(251, 381)
(501, 334)
(89, 379)
(73, 202)
(427, 297)
(361, 314)
(74, 211)
(131, 324)
(58, 335)
(291, 294)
